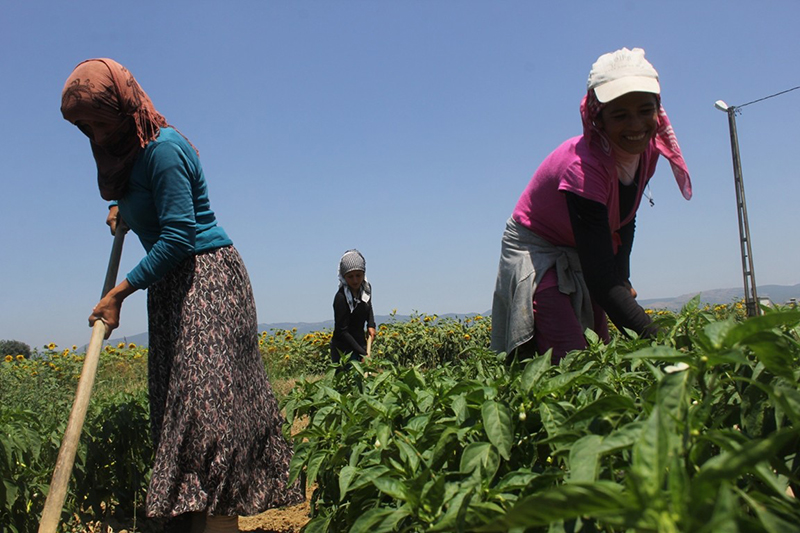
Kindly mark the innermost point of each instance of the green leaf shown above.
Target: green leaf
(318, 524)
(406, 393)
(565, 502)
(691, 306)
(771, 522)
(622, 438)
(611, 402)
(445, 446)
(367, 521)
(433, 497)
(11, 490)
(383, 376)
(660, 439)
(414, 378)
(391, 486)
(483, 512)
(480, 457)
(733, 356)
(730, 465)
(497, 423)
(456, 510)
(660, 353)
(583, 459)
(677, 485)
(553, 416)
(391, 522)
(771, 350)
(359, 451)
(314, 464)
(367, 476)
(723, 518)
(789, 400)
(764, 471)
(534, 370)
(377, 406)
(460, 408)
(318, 421)
(417, 425)
(514, 481)
(345, 478)
(332, 394)
(560, 383)
(462, 387)
(298, 460)
(383, 436)
(760, 323)
(716, 332)
(408, 454)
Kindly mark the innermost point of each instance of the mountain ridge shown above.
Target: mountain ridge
(777, 294)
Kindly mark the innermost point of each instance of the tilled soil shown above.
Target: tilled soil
(286, 520)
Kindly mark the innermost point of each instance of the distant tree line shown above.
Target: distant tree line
(14, 348)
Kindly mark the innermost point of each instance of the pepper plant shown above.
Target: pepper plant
(695, 431)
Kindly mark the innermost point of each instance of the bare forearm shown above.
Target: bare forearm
(109, 307)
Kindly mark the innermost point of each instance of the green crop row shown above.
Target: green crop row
(112, 464)
(699, 432)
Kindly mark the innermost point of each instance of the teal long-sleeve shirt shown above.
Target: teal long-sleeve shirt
(166, 205)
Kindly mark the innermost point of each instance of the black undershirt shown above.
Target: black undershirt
(607, 275)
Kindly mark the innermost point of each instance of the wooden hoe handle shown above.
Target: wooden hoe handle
(72, 436)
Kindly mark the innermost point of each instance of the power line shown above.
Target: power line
(770, 96)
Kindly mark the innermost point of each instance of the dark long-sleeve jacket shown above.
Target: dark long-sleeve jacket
(348, 328)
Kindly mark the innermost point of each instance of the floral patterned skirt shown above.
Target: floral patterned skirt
(215, 423)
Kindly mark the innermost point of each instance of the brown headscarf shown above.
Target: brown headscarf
(104, 92)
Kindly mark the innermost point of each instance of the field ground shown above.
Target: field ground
(287, 520)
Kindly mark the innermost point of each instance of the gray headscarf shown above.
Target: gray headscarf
(353, 260)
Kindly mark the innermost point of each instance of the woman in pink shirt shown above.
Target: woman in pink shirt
(564, 263)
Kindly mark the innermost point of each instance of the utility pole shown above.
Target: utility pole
(748, 270)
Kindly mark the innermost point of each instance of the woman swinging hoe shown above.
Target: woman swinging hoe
(216, 427)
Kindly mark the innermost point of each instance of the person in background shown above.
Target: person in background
(219, 451)
(565, 251)
(352, 309)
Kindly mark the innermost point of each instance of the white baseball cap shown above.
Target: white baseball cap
(621, 72)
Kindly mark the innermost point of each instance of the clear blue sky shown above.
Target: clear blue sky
(406, 129)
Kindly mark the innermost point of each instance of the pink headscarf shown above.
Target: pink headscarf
(103, 90)
(665, 139)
